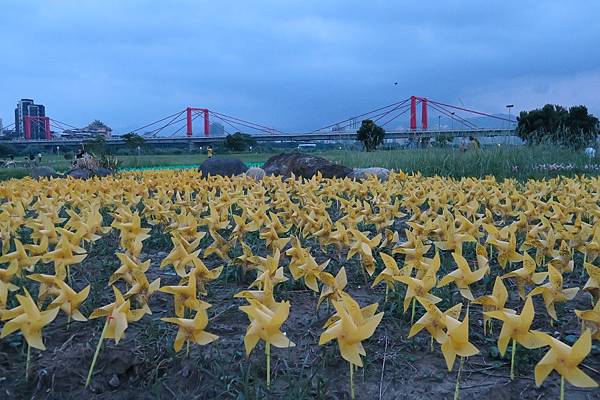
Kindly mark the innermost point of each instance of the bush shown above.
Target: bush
(554, 124)
(68, 155)
(6, 150)
(370, 134)
(238, 142)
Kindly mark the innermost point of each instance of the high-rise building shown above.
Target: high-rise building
(216, 129)
(37, 113)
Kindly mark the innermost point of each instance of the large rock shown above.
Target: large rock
(304, 165)
(361, 174)
(223, 166)
(44, 172)
(255, 173)
(80, 173)
(102, 172)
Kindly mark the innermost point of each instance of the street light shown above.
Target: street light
(509, 106)
(439, 122)
(452, 113)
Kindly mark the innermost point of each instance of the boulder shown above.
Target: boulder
(102, 172)
(255, 173)
(80, 173)
(304, 165)
(223, 166)
(44, 172)
(361, 174)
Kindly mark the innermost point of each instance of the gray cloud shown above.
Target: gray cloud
(295, 65)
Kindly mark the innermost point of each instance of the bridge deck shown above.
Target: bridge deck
(278, 137)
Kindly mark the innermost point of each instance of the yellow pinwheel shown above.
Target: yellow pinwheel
(507, 250)
(192, 330)
(434, 320)
(311, 271)
(463, 277)
(494, 301)
(456, 341)
(69, 301)
(526, 275)
(352, 326)
(118, 314)
(265, 324)
(516, 327)
(419, 288)
(19, 260)
(592, 285)
(590, 319)
(185, 297)
(333, 287)
(30, 321)
(565, 360)
(553, 291)
(269, 269)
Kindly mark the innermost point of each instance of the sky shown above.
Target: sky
(293, 65)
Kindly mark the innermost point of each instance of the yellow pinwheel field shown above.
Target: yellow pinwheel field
(416, 287)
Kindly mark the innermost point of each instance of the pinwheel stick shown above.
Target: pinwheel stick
(412, 314)
(351, 381)
(27, 362)
(268, 353)
(457, 387)
(562, 387)
(512, 360)
(91, 371)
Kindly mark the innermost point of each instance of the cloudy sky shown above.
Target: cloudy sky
(293, 65)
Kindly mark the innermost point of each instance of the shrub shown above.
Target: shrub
(370, 134)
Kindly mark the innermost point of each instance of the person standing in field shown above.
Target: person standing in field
(209, 151)
(474, 143)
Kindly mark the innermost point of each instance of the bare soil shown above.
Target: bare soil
(144, 365)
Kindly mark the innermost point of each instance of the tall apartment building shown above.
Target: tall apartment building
(26, 107)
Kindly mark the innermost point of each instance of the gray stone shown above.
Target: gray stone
(114, 381)
(255, 173)
(364, 173)
(44, 172)
(80, 173)
(304, 165)
(102, 172)
(223, 166)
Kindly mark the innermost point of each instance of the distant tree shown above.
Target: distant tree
(96, 146)
(555, 124)
(370, 134)
(133, 140)
(6, 150)
(238, 142)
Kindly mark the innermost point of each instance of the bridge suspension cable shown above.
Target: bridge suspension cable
(351, 119)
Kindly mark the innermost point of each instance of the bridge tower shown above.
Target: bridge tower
(38, 119)
(413, 112)
(189, 111)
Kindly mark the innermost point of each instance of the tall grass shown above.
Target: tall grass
(503, 162)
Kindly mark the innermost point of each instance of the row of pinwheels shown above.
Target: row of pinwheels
(356, 219)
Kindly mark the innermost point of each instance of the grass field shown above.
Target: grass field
(503, 162)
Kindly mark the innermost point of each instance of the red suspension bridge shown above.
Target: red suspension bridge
(183, 125)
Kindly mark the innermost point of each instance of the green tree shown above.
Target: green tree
(239, 141)
(133, 140)
(370, 134)
(96, 146)
(555, 124)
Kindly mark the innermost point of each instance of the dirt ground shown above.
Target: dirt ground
(144, 365)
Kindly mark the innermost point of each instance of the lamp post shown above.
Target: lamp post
(452, 118)
(509, 106)
(439, 122)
